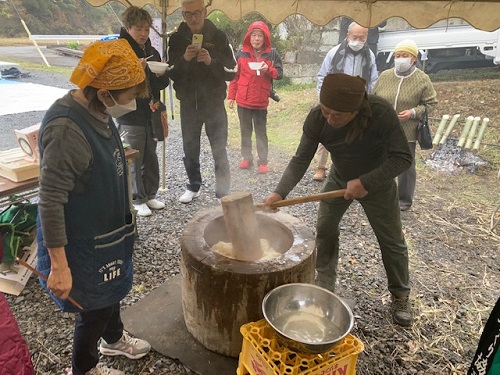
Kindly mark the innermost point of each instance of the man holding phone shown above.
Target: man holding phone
(203, 61)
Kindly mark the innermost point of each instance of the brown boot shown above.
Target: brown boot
(320, 174)
(401, 311)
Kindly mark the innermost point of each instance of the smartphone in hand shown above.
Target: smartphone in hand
(197, 40)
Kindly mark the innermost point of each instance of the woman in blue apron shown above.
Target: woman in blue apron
(85, 227)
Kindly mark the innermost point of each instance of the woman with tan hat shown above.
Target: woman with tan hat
(411, 93)
(85, 229)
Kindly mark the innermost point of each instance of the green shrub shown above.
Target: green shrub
(73, 45)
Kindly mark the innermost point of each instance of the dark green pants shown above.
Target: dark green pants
(382, 210)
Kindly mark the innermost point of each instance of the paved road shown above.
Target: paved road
(29, 54)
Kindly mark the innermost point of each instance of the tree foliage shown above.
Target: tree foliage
(58, 17)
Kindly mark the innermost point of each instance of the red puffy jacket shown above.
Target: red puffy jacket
(247, 88)
(14, 355)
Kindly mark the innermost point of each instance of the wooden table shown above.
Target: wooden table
(8, 187)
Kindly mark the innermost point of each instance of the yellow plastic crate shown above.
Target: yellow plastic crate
(261, 354)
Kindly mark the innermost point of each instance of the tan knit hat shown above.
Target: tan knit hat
(407, 45)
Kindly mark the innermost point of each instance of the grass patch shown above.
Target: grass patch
(54, 69)
(7, 42)
(466, 74)
(284, 119)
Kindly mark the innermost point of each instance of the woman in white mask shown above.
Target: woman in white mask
(85, 227)
(137, 124)
(411, 93)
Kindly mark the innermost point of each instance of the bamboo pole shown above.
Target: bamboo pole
(481, 132)
(472, 133)
(35, 43)
(440, 129)
(465, 131)
(449, 128)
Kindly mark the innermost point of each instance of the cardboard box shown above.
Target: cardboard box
(13, 279)
(28, 141)
(15, 166)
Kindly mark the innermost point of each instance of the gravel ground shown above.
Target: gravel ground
(388, 349)
(157, 249)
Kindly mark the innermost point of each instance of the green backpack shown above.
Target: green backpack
(16, 228)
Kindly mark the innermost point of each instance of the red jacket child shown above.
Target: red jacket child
(258, 65)
(250, 88)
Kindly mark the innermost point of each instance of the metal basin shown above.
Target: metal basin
(307, 318)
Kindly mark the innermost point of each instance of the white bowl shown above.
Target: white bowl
(158, 67)
(255, 65)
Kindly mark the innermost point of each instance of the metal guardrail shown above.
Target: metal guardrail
(76, 38)
(68, 51)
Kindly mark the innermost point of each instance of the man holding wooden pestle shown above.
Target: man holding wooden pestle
(369, 150)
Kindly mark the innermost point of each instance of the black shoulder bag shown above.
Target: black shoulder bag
(424, 136)
(272, 94)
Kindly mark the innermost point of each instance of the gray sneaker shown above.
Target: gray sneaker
(401, 311)
(127, 346)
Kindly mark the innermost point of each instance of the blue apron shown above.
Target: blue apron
(99, 225)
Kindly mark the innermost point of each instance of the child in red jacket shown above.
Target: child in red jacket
(258, 65)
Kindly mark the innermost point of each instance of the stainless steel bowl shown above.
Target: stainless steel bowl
(307, 318)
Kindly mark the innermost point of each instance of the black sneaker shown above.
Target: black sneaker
(401, 311)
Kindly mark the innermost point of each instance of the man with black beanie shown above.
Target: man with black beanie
(368, 150)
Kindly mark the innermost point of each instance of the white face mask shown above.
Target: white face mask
(118, 110)
(356, 45)
(402, 64)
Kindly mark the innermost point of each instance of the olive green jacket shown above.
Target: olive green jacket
(414, 91)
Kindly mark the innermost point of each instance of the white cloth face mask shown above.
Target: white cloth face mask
(119, 110)
(356, 45)
(402, 64)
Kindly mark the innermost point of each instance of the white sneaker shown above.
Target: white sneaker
(128, 346)
(155, 204)
(142, 209)
(188, 196)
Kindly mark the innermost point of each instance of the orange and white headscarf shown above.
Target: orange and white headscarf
(109, 65)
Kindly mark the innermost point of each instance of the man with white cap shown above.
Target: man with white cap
(368, 150)
(352, 56)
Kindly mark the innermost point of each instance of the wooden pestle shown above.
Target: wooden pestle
(241, 226)
(304, 199)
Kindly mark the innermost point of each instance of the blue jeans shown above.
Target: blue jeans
(145, 169)
(215, 120)
(90, 326)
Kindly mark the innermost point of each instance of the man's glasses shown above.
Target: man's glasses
(195, 14)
